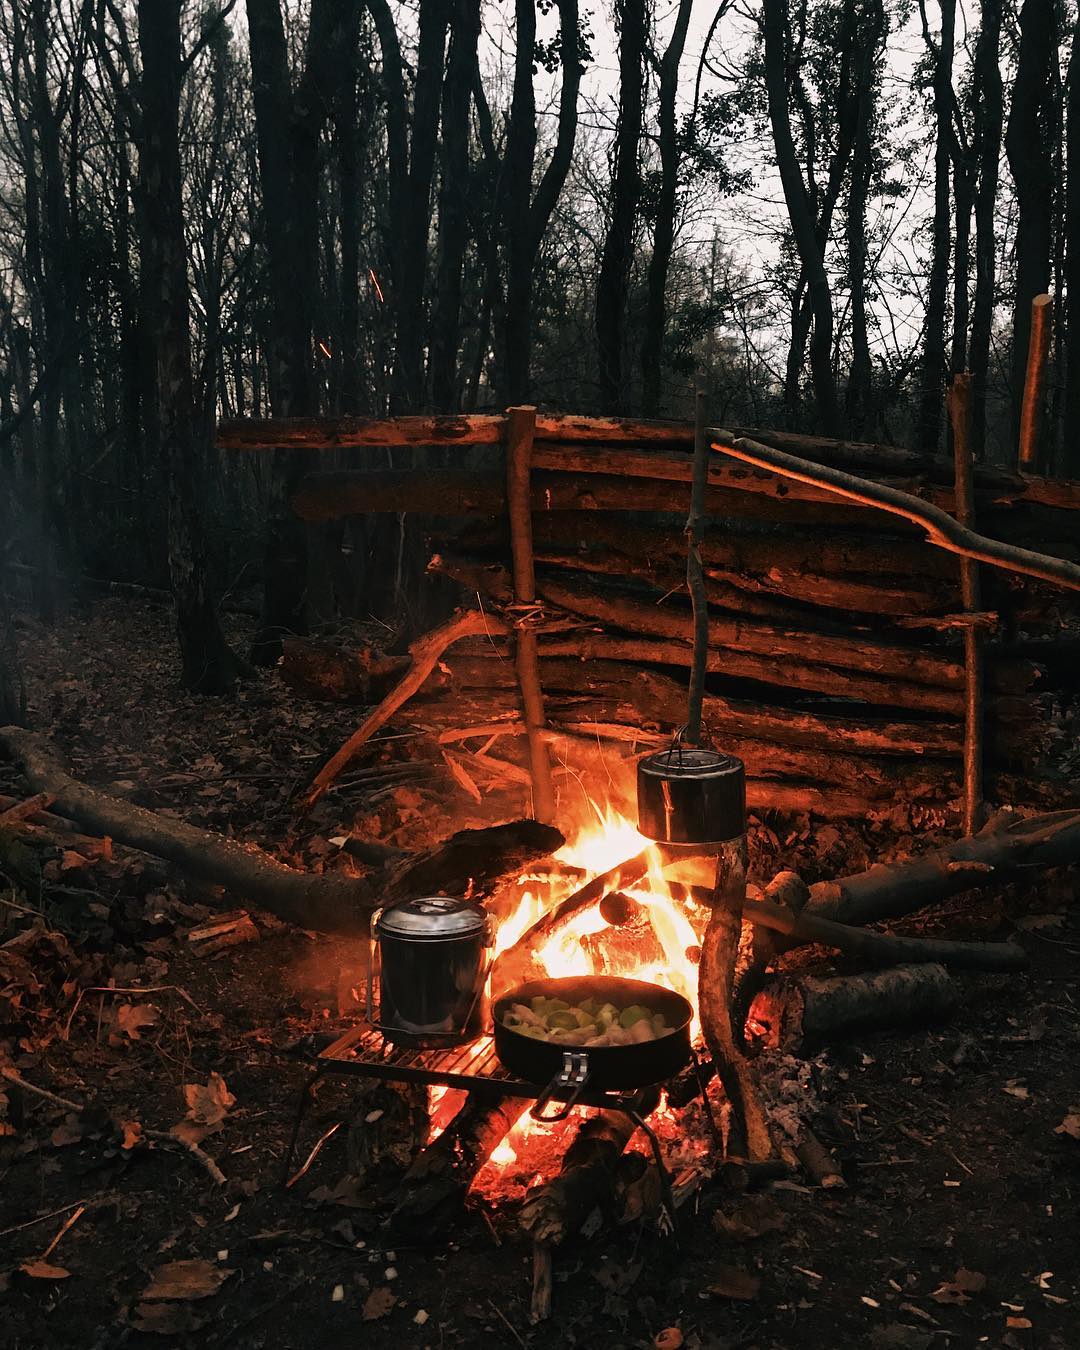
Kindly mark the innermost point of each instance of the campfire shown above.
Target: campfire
(644, 932)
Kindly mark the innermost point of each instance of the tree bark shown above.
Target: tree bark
(934, 363)
(801, 214)
(613, 281)
(986, 145)
(1028, 145)
(652, 345)
(454, 189)
(207, 664)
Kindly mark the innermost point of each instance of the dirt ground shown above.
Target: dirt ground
(960, 1145)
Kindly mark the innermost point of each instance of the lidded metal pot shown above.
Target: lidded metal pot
(430, 956)
(692, 801)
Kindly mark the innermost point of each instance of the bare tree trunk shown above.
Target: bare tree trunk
(986, 146)
(407, 389)
(652, 345)
(1072, 251)
(208, 664)
(613, 282)
(527, 220)
(869, 45)
(801, 214)
(454, 186)
(934, 366)
(1028, 147)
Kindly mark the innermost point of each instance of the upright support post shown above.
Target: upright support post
(959, 405)
(520, 433)
(1031, 409)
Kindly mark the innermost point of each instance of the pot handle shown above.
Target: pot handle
(574, 1075)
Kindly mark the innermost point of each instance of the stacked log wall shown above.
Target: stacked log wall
(836, 660)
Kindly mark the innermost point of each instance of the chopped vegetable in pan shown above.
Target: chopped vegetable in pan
(591, 1022)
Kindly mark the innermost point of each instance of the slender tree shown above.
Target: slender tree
(652, 345)
(987, 121)
(613, 281)
(207, 663)
(805, 229)
(1029, 149)
(934, 362)
(526, 214)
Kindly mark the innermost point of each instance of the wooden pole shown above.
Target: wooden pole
(959, 405)
(695, 574)
(941, 529)
(1031, 409)
(520, 433)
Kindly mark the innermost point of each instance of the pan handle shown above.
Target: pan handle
(574, 1075)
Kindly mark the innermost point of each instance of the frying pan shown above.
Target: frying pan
(569, 1069)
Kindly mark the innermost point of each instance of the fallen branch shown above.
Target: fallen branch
(327, 903)
(425, 652)
(941, 529)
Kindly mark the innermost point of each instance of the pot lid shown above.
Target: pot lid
(428, 917)
(689, 761)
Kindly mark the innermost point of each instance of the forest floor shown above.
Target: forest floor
(961, 1146)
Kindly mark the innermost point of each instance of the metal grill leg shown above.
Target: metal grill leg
(671, 1226)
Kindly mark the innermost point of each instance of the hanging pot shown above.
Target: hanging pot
(691, 795)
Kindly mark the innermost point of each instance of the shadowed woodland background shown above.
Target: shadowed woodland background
(816, 211)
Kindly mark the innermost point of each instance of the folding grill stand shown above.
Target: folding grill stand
(362, 1052)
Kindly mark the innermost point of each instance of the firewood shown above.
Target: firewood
(457, 492)
(327, 903)
(557, 1209)
(802, 1012)
(441, 1174)
(819, 1163)
(1005, 846)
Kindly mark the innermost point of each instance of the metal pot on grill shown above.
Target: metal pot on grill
(430, 956)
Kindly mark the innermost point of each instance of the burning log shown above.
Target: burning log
(327, 903)
(441, 1173)
(558, 1209)
(807, 1011)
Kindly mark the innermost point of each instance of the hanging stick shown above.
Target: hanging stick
(695, 573)
(1031, 408)
(520, 430)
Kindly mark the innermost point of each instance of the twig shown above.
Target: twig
(542, 1278)
(941, 529)
(80, 1205)
(168, 1138)
(115, 989)
(17, 1079)
(69, 1222)
(506, 1322)
(303, 1171)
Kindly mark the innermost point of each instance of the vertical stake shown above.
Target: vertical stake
(1031, 409)
(695, 576)
(959, 406)
(520, 432)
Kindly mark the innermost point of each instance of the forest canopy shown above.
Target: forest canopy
(816, 211)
